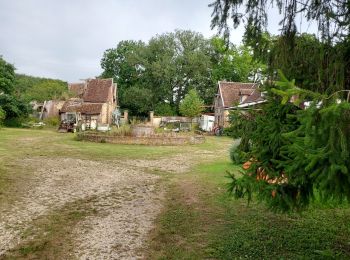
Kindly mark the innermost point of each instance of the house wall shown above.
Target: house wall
(226, 118)
(219, 111)
(52, 108)
(104, 114)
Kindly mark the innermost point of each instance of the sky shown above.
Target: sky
(65, 39)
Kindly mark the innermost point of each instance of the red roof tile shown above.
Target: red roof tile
(254, 97)
(231, 91)
(99, 91)
(76, 105)
(77, 88)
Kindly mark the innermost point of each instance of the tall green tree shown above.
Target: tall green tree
(11, 106)
(125, 64)
(177, 62)
(330, 52)
(233, 63)
(2, 116)
(192, 104)
(171, 64)
(7, 76)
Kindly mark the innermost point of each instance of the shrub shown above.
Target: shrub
(164, 109)
(52, 121)
(124, 130)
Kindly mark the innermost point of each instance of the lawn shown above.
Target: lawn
(216, 226)
(198, 218)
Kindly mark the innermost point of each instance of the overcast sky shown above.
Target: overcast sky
(65, 39)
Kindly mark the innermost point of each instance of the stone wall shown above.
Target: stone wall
(144, 140)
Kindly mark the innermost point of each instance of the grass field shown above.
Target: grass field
(197, 219)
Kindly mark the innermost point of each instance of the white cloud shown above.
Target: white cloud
(66, 39)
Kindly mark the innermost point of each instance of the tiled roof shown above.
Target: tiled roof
(254, 97)
(77, 88)
(231, 91)
(71, 105)
(99, 90)
(76, 105)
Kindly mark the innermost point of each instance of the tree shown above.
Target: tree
(125, 64)
(170, 64)
(11, 106)
(2, 116)
(191, 105)
(177, 62)
(330, 53)
(35, 88)
(46, 90)
(7, 76)
(138, 100)
(233, 63)
(293, 152)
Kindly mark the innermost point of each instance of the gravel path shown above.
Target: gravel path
(128, 202)
(127, 197)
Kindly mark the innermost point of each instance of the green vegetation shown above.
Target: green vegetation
(16, 91)
(202, 221)
(199, 219)
(40, 89)
(12, 107)
(319, 63)
(191, 105)
(157, 75)
(291, 153)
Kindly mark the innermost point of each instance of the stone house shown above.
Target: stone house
(94, 102)
(232, 95)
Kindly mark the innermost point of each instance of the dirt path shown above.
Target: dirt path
(127, 199)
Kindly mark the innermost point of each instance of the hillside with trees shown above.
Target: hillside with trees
(17, 90)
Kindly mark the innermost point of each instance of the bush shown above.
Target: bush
(15, 122)
(124, 130)
(52, 121)
(164, 109)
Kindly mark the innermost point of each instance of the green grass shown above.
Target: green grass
(220, 227)
(199, 219)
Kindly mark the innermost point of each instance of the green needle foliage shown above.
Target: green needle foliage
(294, 152)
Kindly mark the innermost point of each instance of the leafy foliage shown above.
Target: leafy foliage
(11, 106)
(40, 89)
(294, 152)
(46, 90)
(164, 109)
(7, 76)
(191, 105)
(2, 116)
(320, 64)
(138, 100)
(171, 64)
